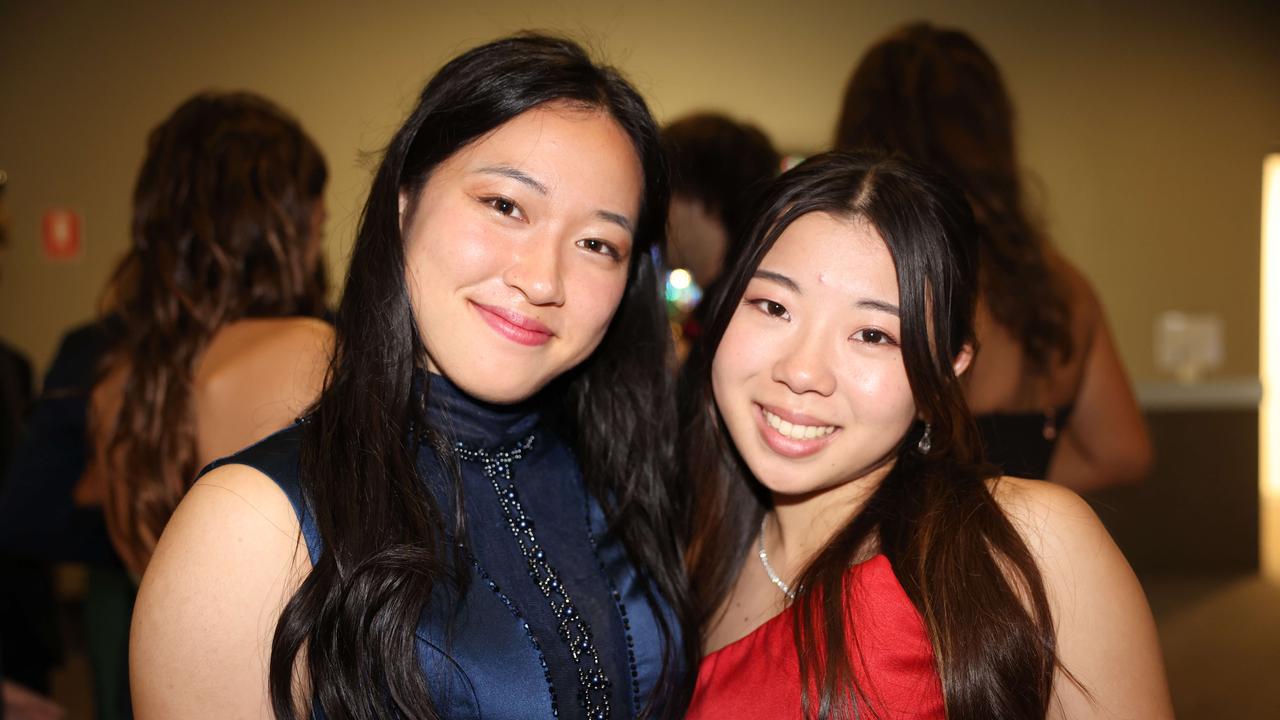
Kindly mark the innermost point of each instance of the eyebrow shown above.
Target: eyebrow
(879, 305)
(617, 219)
(791, 285)
(528, 180)
(519, 176)
(779, 278)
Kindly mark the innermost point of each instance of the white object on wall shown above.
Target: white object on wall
(1189, 344)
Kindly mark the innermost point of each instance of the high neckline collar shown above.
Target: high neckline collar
(463, 418)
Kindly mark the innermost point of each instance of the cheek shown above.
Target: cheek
(459, 252)
(737, 358)
(593, 297)
(444, 257)
(731, 355)
(883, 392)
(719, 381)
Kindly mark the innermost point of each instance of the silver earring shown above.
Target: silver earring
(925, 443)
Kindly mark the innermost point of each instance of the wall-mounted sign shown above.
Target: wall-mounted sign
(60, 236)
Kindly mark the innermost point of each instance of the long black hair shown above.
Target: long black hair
(960, 560)
(352, 621)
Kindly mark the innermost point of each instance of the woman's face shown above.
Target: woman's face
(518, 247)
(809, 377)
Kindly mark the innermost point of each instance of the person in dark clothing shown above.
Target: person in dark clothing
(37, 515)
(40, 524)
(15, 394)
(28, 628)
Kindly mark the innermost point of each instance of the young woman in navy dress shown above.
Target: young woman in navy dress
(472, 521)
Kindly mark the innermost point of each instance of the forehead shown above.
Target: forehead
(835, 255)
(576, 153)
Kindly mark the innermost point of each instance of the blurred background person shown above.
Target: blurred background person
(219, 301)
(209, 340)
(40, 524)
(28, 628)
(1049, 391)
(15, 368)
(718, 167)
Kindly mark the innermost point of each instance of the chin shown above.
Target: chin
(508, 392)
(493, 382)
(787, 484)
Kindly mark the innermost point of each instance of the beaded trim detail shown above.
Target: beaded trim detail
(622, 612)
(528, 631)
(593, 681)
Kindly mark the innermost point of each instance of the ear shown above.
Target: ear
(963, 359)
(404, 203)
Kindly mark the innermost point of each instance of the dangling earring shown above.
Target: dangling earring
(925, 443)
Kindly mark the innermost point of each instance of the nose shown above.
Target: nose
(535, 272)
(804, 366)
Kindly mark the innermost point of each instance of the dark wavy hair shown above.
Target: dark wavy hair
(222, 230)
(722, 163)
(958, 557)
(351, 623)
(935, 96)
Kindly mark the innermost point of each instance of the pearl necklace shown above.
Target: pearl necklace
(764, 560)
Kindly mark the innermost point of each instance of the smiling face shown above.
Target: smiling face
(518, 247)
(809, 376)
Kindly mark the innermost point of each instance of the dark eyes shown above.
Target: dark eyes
(504, 206)
(600, 247)
(774, 309)
(769, 307)
(873, 337)
(507, 207)
(869, 336)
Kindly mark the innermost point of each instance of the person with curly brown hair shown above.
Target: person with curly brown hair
(1047, 386)
(218, 303)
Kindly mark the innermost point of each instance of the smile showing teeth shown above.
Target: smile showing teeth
(797, 432)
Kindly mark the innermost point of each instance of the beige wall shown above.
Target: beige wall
(1146, 127)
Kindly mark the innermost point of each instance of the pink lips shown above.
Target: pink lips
(787, 446)
(513, 326)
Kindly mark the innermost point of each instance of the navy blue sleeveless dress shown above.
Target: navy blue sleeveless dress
(555, 621)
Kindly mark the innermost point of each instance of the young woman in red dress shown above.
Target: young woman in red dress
(853, 554)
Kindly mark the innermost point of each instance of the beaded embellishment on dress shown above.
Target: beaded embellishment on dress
(593, 682)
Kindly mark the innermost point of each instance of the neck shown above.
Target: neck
(804, 524)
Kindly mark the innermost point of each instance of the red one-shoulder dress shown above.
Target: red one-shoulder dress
(758, 676)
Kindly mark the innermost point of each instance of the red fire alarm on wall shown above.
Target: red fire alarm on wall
(61, 234)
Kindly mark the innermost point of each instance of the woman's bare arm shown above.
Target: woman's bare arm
(1105, 442)
(224, 568)
(1106, 635)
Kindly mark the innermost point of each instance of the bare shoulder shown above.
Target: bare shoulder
(1083, 298)
(1053, 520)
(303, 339)
(302, 331)
(1067, 273)
(244, 341)
(1110, 664)
(257, 377)
(247, 496)
(228, 561)
(268, 354)
(292, 351)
